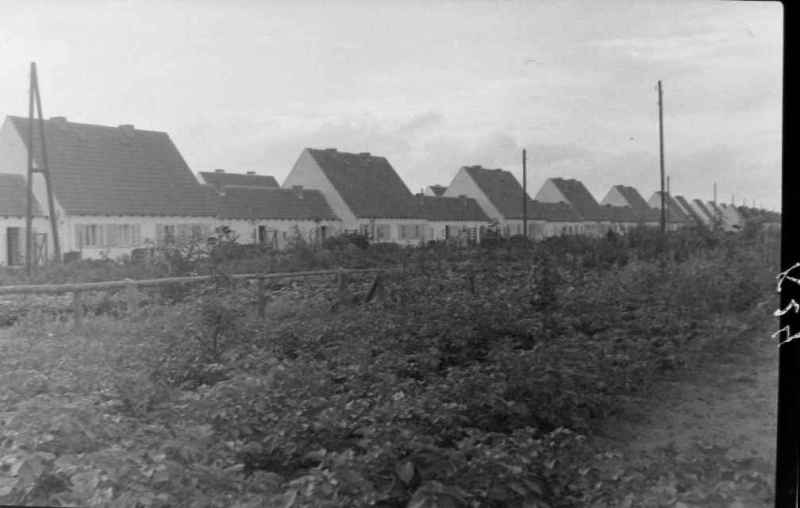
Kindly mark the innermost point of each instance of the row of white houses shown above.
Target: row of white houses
(120, 188)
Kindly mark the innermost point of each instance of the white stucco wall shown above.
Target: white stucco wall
(307, 173)
(463, 185)
(147, 232)
(14, 160)
(615, 198)
(436, 230)
(549, 193)
(247, 230)
(39, 225)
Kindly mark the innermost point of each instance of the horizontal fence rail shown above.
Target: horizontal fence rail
(120, 284)
(131, 286)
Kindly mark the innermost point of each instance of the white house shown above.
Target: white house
(674, 214)
(732, 218)
(499, 195)
(594, 219)
(13, 209)
(457, 219)
(364, 192)
(115, 188)
(275, 216)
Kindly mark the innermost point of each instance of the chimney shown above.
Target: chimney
(364, 154)
(251, 173)
(219, 171)
(126, 129)
(298, 191)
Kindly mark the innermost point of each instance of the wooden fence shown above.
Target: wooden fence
(131, 286)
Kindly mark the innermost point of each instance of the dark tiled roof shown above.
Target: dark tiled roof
(554, 212)
(700, 205)
(449, 209)
(368, 184)
(100, 170)
(220, 180)
(628, 214)
(619, 213)
(239, 202)
(632, 196)
(692, 212)
(579, 197)
(505, 193)
(674, 212)
(13, 192)
(437, 190)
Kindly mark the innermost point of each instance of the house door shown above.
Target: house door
(13, 246)
(323, 233)
(262, 234)
(446, 231)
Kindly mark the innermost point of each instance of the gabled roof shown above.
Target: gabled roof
(101, 170)
(459, 208)
(240, 202)
(505, 193)
(579, 197)
(368, 184)
(632, 196)
(13, 192)
(691, 211)
(500, 187)
(701, 206)
(673, 209)
(220, 179)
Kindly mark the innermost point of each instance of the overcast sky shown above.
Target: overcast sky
(430, 85)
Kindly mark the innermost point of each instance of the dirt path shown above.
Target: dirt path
(707, 439)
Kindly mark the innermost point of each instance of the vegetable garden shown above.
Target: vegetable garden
(479, 377)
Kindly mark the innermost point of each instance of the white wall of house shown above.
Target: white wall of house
(307, 173)
(40, 225)
(121, 234)
(549, 193)
(280, 233)
(463, 185)
(400, 231)
(14, 160)
(615, 198)
(457, 230)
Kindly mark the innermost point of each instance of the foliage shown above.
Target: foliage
(477, 381)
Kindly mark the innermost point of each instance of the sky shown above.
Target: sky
(432, 86)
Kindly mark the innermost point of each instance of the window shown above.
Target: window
(107, 235)
(410, 231)
(383, 232)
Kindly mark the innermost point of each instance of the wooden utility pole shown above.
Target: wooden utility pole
(715, 193)
(29, 205)
(661, 157)
(524, 195)
(36, 98)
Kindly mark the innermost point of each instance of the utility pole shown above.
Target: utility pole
(715, 193)
(36, 98)
(524, 195)
(661, 157)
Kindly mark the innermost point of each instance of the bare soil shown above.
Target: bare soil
(707, 437)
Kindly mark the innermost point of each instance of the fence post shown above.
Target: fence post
(341, 284)
(133, 298)
(262, 297)
(376, 291)
(77, 308)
